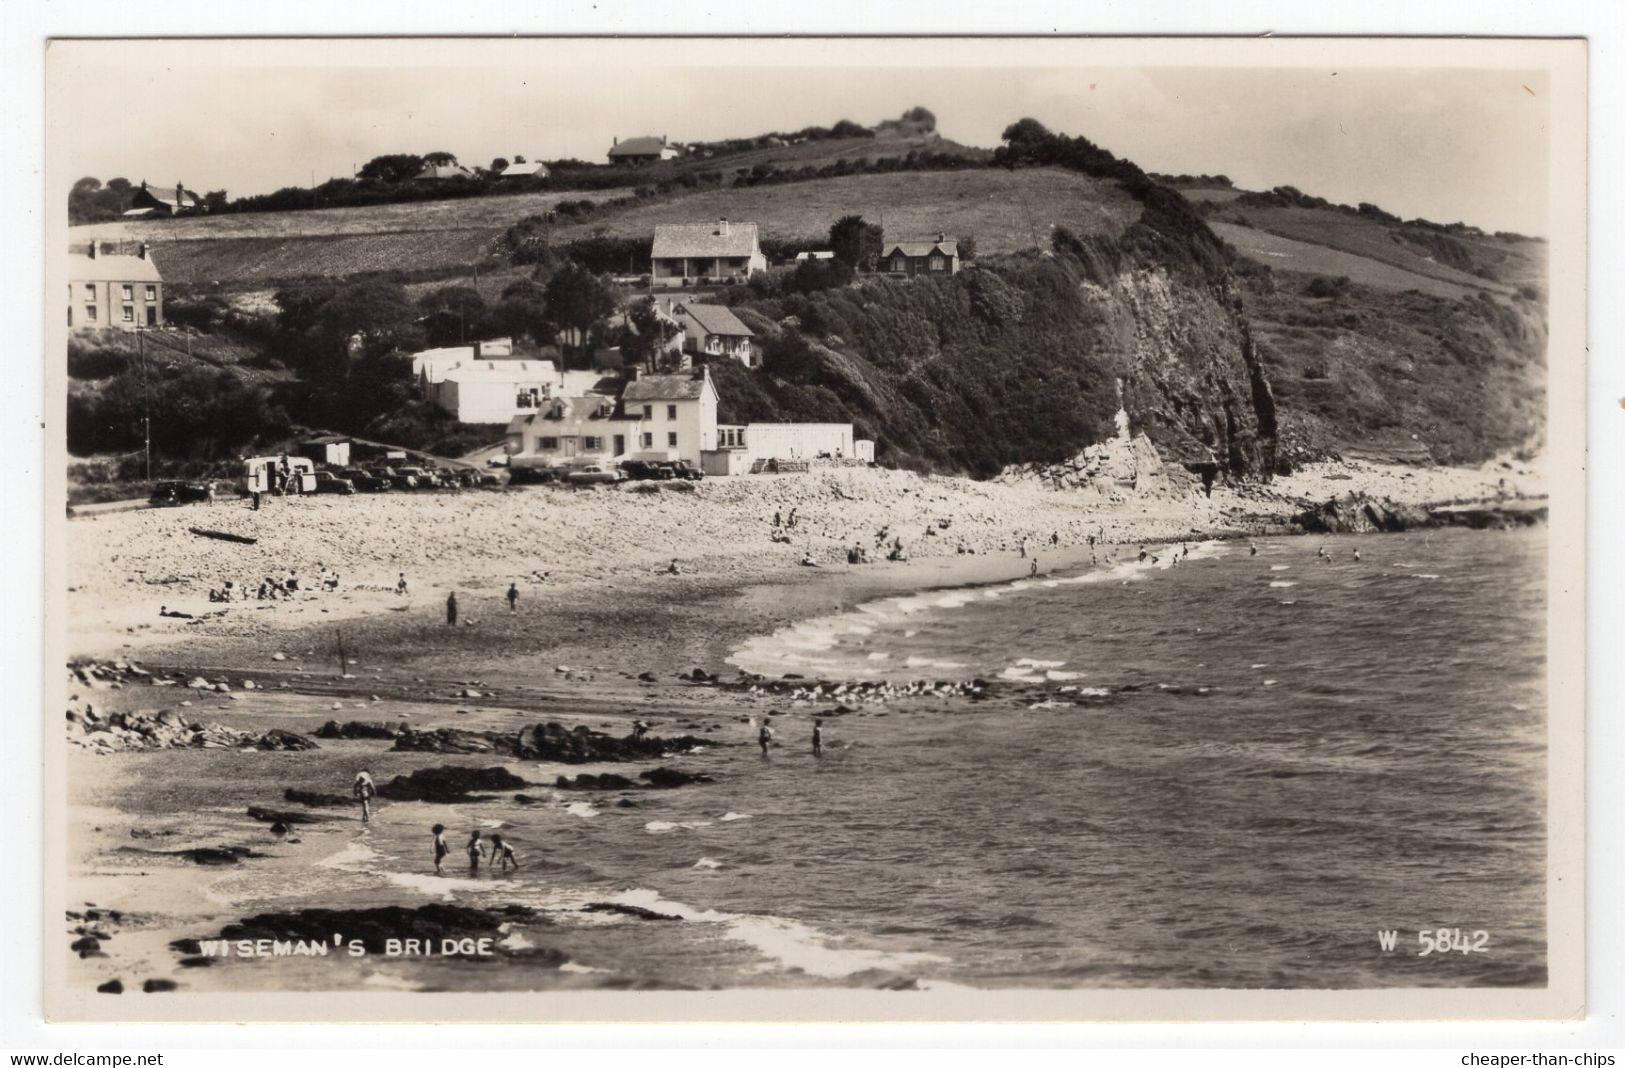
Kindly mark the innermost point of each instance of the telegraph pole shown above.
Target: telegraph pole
(146, 395)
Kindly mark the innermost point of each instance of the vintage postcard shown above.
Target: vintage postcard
(814, 529)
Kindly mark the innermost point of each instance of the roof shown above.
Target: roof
(582, 383)
(676, 240)
(444, 170)
(523, 170)
(325, 439)
(165, 195)
(802, 257)
(715, 319)
(665, 388)
(949, 247)
(640, 146)
(105, 268)
(502, 370)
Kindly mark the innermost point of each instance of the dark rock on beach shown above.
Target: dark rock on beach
(316, 800)
(207, 855)
(449, 785)
(284, 740)
(272, 815)
(552, 741)
(112, 986)
(606, 781)
(670, 778)
(636, 911)
(359, 729)
(452, 740)
(157, 986)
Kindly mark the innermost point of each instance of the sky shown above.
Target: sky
(1443, 141)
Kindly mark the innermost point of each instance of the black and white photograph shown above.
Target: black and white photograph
(814, 528)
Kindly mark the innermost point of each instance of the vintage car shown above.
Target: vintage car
(176, 492)
(328, 482)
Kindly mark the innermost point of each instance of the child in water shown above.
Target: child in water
(364, 791)
(476, 852)
(765, 736)
(440, 847)
(502, 854)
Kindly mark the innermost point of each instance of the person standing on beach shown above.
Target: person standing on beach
(778, 521)
(1032, 571)
(451, 609)
(1055, 537)
(1143, 554)
(513, 597)
(764, 737)
(400, 585)
(818, 738)
(364, 791)
(440, 847)
(476, 853)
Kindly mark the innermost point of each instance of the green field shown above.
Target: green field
(1286, 254)
(1005, 210)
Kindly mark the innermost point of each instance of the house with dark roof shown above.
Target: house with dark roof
(687, 254)
(713, 331)
(161, 203)
(642, 150)
(123, 292)
(921, 257)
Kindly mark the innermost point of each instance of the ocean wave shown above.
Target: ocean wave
(789, 942)
(1281, 584)
(1028, 661)
(1064, 676)
(707, 864)
(730, 817)
(581, 808)
(667, 826)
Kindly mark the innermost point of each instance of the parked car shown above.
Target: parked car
(328, 482)
(585, 476)
(175, 492)
(421, 478)
(684, 470)
(647, 469)
(364, 481)
(398, 478)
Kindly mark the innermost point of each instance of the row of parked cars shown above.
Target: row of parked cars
(592, 474)
(378, 478)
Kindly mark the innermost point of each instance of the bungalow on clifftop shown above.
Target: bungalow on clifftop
(642, 150)
(922, 257)
(715, 331)
(686, 254)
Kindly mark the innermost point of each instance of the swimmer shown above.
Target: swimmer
(476, 852)
(764, 737)
(440, 847)
(1143, 554)
(1252, 549)
(1356, 556)
(818, 737)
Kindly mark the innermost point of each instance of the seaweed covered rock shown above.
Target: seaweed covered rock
(1356, 513)
(360, 729)
(453, 740)
(449, 784)
(552, 741)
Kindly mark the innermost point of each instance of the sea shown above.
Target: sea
(1274, 765)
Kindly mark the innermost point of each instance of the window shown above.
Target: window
(648, 441)
(648, 411)
(897, 263)
(671, 441)
(671, 412)
(128, 291)
(90, 312)
(592, 444)
(938, 263)
(152, 292)
(547, 444)
(128, 314)
(90, 289)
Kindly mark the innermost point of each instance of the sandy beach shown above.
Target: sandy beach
(599, 638)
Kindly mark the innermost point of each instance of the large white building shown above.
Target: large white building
(668, 417)
(481, 383)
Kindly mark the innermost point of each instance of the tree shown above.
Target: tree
(856, 243)
(577, 301)
(646, 335)
(215, 200)
(376, 314)
(520, 159)
(452, 315)
(848, 128)
(921, 117)
(522, 311)
(1026, 132)
(499, 165)
(399, 167)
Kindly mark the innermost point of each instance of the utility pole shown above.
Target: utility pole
(146, 395)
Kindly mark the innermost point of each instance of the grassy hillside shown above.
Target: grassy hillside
(1288, 254)
(1004, 210)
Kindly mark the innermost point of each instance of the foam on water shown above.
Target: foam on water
(581, 808)
(667, 826)
(730, 817)
(707, 864)
(1280, 584)
(790, 943)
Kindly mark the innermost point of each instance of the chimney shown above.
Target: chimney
(722, 227)
(141, 252)
(942, 235)
(662, 139)
(180, 194)
(615, 142)
(92, 252)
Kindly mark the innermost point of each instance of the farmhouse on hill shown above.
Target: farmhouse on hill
(687, 254)
(153, 203)
(123, 292)
(642, 150)
(439, 172)
(922, 257)
(715, 331)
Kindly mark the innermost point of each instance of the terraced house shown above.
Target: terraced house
(687, 254)
(121, 292)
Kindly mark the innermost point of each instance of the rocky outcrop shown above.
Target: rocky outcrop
(655, 778)
(360, 729)
(671, 778)
(316, 800)
(453, 740)
(1113, 470)
(449, 785)
(124, 731)
(552, 741)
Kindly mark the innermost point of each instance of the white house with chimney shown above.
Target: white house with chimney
(117, 291)
(483, 383)
(688, 254)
